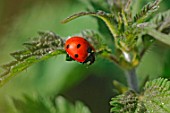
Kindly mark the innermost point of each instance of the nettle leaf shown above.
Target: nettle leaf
(45, 46)
(164, 38)
(127, 103)
(118, 5)
(96, 40)
(96, 5)
(63, 106)
(146, 11)
(33, 105)
(106, 17)
(121, 88)
(162, 21)
(93, 37)
(156, 97)
(41, 104)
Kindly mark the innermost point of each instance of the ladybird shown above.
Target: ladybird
(80, 50)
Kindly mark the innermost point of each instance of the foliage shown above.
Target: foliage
(157, 95)
(41, 104)
(131, 36)
(127, 32)
(162, 21)
(47, 45)
(147, 9)
(155, 99)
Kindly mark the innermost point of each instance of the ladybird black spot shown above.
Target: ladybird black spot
(76, 55)
(78, 45)
(67, 46)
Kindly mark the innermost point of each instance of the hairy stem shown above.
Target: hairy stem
(132, 79)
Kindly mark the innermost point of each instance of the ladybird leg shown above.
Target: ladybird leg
(68, 58)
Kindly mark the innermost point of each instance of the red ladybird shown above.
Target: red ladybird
(79, 49)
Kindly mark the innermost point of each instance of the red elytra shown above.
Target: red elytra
(77, 48)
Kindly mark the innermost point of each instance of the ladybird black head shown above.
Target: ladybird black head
(76, 55)
(90, 59)
(89, 50)
(78, 45)
(67, 46)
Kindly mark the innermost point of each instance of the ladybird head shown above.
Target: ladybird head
(90, 59)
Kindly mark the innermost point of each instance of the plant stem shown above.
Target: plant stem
(132, 79)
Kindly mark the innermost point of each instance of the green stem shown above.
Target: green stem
(132, 79)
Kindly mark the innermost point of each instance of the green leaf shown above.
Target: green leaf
(63, 106)
(127, 103)
(44, 47)
(93, 37)
(120, 87)
(93, 5)
(164, 38)
(162, 21)
(41, 104)
(146, 11)
(156, 97)
(106, 17)
(119, 5)
(33, 105)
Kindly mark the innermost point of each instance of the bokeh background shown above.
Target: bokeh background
(20, 20)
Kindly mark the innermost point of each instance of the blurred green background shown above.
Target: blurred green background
(22, 19)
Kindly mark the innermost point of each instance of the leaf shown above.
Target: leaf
(164, 38)
(63, 106)
(94, 38)
(156, 97)
(120, 87)
(41, 104)
(106, 17)
(33, 105)
(45, 46)
(127, 103)
(146, 11)
(96, 5)
(119, 5)
(162, 21)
